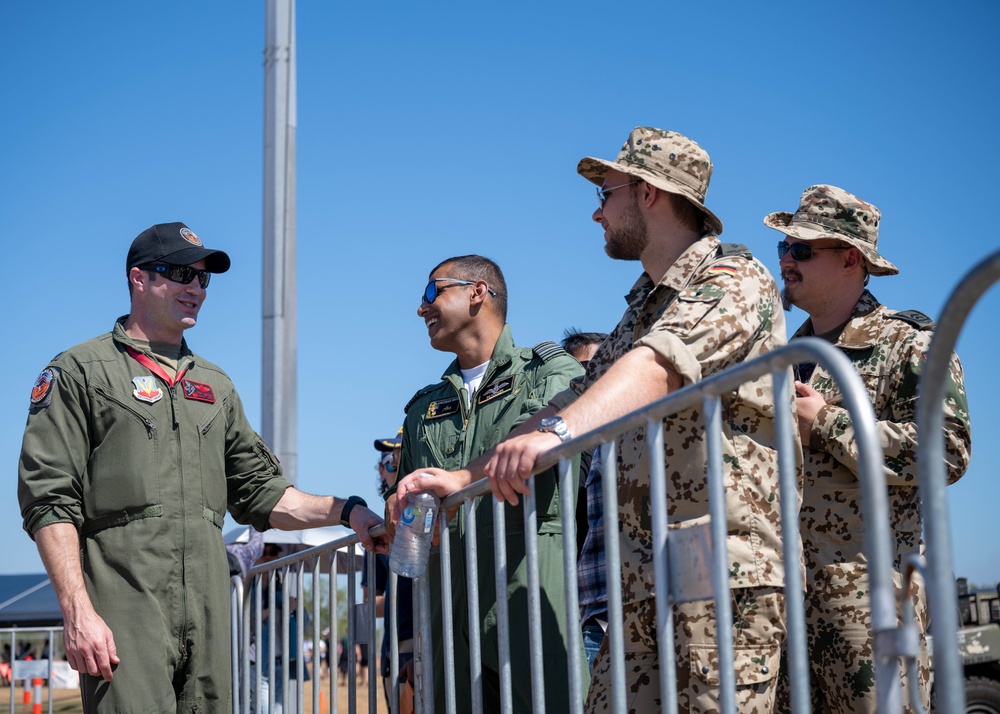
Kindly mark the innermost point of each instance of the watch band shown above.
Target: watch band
(345, 512)
(556, 425)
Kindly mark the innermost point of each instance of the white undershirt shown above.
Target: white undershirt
(473, 378)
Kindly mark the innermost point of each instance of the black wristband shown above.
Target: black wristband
(345, 513)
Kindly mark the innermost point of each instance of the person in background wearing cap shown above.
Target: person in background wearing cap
(829, 252)
(699, 307)
(388, 470)
(133, 449)
(490, 388)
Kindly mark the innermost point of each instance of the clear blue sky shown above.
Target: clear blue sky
(431, 130)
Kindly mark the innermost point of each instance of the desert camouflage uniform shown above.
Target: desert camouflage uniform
(888, 350)
(714, 308)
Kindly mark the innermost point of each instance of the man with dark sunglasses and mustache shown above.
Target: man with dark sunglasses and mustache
(829, 252)
(133, 451)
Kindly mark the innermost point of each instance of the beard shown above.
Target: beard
(786, 300)
(629, 240)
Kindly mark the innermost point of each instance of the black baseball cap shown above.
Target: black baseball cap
(173, 243)
(390, 444)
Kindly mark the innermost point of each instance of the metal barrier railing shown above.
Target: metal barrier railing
(894, 641)
(253, 668)
(942, 598)
(706, 393)
(30, 670)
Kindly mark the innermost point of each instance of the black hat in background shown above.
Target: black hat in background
(173, 243)
(390, 444)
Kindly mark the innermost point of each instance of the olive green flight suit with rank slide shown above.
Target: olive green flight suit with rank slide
(441, 431)
(145, 469)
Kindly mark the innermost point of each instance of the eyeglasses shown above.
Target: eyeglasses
(183, 274)
(801, 251)
(389, 463)
(603, 193)
(432, 290)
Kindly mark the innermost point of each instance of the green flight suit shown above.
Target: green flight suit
(144, 469)
(439, 430)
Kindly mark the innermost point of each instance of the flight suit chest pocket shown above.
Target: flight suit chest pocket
(122, 470)
(212, 457)
(441, 436)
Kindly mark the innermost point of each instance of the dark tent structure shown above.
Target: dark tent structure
(28, 601)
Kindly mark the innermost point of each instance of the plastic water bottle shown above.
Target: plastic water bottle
(412, 545)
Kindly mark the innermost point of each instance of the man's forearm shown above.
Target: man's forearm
(297, 509)
(59, 546)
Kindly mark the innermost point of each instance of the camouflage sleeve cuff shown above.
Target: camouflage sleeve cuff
(831, 423)
(675, 351)
(563, 399)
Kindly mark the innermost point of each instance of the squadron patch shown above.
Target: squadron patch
(188, 235)
(442, 408)
(41, 393)
(146, 389)
(495, 390)
(198, 391)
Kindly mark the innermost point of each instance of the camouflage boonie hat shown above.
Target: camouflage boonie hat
(831, 212)
(665, 159)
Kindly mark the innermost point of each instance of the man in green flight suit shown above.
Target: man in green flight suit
(491, 388)
(133, 450)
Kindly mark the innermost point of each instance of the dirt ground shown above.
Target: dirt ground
(67, 701)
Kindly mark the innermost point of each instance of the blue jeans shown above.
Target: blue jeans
(593, 636)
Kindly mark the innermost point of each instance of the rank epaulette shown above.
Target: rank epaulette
(420, 393)
(729, 250)
(915, 318)
(547, 350)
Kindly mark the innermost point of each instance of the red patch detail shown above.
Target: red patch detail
(198, 391)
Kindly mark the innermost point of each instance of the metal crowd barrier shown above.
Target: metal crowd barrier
(248, 627)
(675, 580)
(673, 577)
(30, 672)
(942, 597)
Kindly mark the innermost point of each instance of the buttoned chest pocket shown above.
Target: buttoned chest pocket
(212, 456)
(441, 437)
(691, 308)
(122, 473)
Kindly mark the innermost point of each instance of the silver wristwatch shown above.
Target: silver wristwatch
(555, 425)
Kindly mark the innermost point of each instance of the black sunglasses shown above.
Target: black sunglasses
(432, 290)
(801, 251)
(183, 274)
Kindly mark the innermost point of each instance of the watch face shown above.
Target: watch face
(548, 422)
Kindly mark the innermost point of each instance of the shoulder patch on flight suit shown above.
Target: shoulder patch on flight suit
(41, 393)
(547, 350)
(442, 408)
(729, 250)
(494, 390)
(913, 317)
(420, 393)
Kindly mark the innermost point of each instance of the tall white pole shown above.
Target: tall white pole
(280, 376)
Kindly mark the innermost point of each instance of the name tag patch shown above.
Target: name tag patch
(146, 389)
(198, 391)
(495, 390)
(442, 408)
